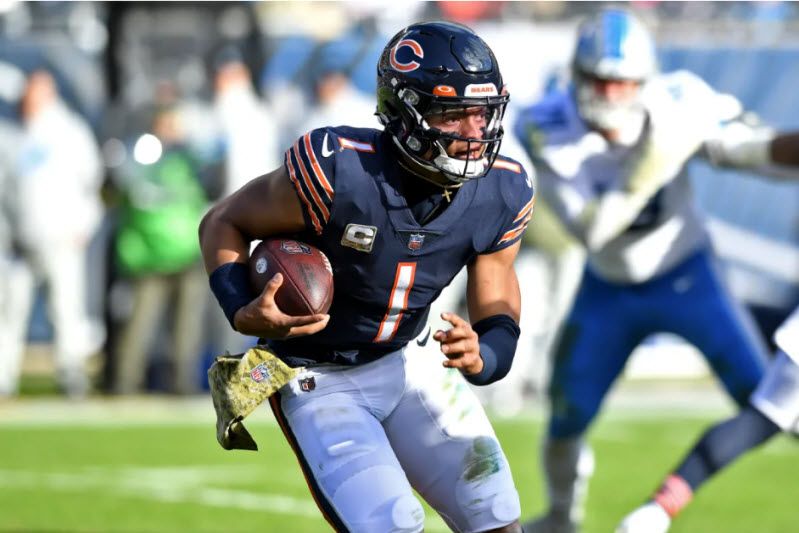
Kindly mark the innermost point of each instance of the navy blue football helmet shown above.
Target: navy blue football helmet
(429, 68)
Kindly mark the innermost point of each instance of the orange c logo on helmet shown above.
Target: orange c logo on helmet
(411, 65)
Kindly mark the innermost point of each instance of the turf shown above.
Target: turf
(147, 476)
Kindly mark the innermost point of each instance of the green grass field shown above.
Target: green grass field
(154, 465)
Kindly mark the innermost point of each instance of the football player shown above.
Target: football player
(399, 212)
(610, 153)
(774, 407)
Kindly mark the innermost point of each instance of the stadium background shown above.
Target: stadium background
(149, 462)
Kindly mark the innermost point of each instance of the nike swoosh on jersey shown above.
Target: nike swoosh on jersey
(326, 151)
(423, 341)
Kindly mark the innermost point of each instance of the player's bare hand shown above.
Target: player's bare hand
(460, 344)
(263, 318)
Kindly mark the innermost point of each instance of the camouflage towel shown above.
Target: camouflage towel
(240, 383)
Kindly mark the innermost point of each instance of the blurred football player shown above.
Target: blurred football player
(610, 153)
(374, 416)
(774, 407)
(56, 176)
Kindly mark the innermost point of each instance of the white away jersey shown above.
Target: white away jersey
(576, 165)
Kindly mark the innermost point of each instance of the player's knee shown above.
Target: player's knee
(505, 507)
(497, 506)
(570, 422)
(407, 515)
(741, 393)
(374, 498)
(401, 514)
(569, 418)
(486, 489)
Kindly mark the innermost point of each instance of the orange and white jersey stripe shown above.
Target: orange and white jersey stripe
(310, 168)
(504, 164)
(519, 223)
(358, 146)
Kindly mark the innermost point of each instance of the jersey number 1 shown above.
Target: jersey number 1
(397, 302)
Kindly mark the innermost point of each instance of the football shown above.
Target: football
(307, 275)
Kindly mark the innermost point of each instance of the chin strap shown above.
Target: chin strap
(464, 169)
(428, 173)
(447, 172)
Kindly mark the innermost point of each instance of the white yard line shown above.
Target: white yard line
(627, 401)
(111, 411)
(173, 485)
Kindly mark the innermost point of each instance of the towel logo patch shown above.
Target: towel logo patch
(260, 373)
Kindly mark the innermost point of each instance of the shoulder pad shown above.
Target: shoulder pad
(552, 121)
(519, 197)
(550, 113)
(684, 94)
(311, 168)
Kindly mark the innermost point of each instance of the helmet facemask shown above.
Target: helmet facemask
(603, 113)
(426, 147)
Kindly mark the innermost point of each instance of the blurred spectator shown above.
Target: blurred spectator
(11, 328)
(9, 138)
(250, 138)
(55, 191)
(336, 101)
(469, 12)
(156, 245)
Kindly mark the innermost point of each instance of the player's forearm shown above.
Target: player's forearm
(784, 149)
(770, 156)
(493, 287)
(220, 241)
(773, 155)
(225, 251)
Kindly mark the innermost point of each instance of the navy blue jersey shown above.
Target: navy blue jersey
(388, 269)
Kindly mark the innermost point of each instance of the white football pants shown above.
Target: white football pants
(366, 435)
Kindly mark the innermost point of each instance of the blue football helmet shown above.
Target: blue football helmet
(430, 68)
(611, 45)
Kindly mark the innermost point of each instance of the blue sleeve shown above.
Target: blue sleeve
(523, 130)
(499, 335)
(536, 121)
(310, 163)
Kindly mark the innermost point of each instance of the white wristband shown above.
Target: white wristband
(754, 153)
(742, 146)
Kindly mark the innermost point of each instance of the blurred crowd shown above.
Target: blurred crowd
(121, 122)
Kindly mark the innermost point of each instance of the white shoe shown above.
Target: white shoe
(549, 524)
(649, 518)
